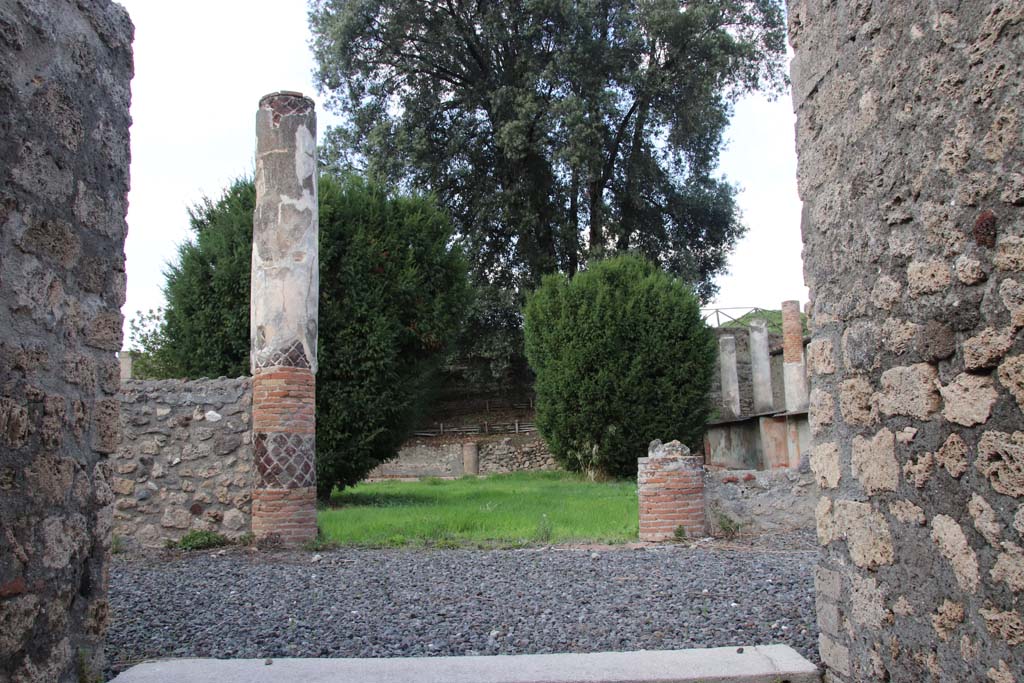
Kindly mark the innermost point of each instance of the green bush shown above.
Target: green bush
(621, 357)
(393, 293)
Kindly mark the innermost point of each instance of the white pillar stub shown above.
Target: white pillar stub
(760, 367)
(729, 375)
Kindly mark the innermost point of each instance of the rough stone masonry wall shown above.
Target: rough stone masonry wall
(759, 501)
(65, 69)
(185, 459)
(909, 141)
(421, 458)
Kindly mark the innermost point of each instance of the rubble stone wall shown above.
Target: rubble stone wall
(423, 458)
(185, 460)
(515, 455)
(910, 168)
(65, 69)
(759, 501)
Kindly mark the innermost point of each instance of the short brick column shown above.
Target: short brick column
(670, 484)
(283, 317)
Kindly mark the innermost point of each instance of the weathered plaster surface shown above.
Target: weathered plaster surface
(285, 260)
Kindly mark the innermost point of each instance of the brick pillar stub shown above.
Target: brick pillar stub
(283, 319)
(794, 373)
(471, 458)
(670, 485)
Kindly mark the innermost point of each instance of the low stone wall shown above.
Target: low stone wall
(515, 455)
(428, 458)
(184, 461)
(759, 501)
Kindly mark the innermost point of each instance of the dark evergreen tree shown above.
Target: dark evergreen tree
(393, 293)
(553, 130)
(622, 357)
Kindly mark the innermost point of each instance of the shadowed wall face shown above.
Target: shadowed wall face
(909, 141)
(65, 69)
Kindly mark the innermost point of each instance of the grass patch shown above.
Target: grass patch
(509, 510)
(199, 540)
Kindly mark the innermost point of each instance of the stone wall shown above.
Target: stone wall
(428, 458)
(515, 455)
(765, 501)
(185, 460)
(65, 69)
(909, 142)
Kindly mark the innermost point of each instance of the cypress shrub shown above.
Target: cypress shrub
(622, 357)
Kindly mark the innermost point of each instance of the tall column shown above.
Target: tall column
(729, 375)
(760, 366)
(283, 319)
(794, 373)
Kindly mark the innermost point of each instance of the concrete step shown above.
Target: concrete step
(760, 664)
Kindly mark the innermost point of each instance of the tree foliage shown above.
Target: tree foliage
(553, 130)
(622, 357)
(393, 292)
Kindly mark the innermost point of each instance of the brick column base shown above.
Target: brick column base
(670, 485)
(284, 446)
(287, 514)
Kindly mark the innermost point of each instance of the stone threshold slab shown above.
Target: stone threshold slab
(760, 664)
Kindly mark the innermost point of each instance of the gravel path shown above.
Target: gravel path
(389, 603)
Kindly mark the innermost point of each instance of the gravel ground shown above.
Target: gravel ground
(396, 602)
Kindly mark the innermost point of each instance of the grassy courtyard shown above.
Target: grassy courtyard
(502, 510)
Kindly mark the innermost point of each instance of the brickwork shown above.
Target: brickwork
(285, 289)
(284, 515)
(670, 485)
(792, 333)
(65, 70)
(910, 157)
(284, 400)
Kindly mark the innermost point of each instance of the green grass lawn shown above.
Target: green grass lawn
(503, 510)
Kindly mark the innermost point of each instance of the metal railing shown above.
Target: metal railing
(734, 317)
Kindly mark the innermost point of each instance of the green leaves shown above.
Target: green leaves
(622, 357)
(393, 295)
(552, 131)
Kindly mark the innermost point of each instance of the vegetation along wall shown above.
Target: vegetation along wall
(910, 159)
(65, 69)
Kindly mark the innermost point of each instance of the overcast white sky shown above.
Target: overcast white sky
(202, 65)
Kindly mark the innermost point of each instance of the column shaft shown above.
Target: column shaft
(760, 367)
(729, 376)
(283, 319)
(794, 373)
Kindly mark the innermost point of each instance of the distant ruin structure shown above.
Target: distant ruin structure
(909, 129)
(283, 319)
(65, 69)
(759, 396)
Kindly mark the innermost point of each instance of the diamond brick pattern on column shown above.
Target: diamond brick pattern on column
(670, 485)
(285, 461)
(292, 356)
